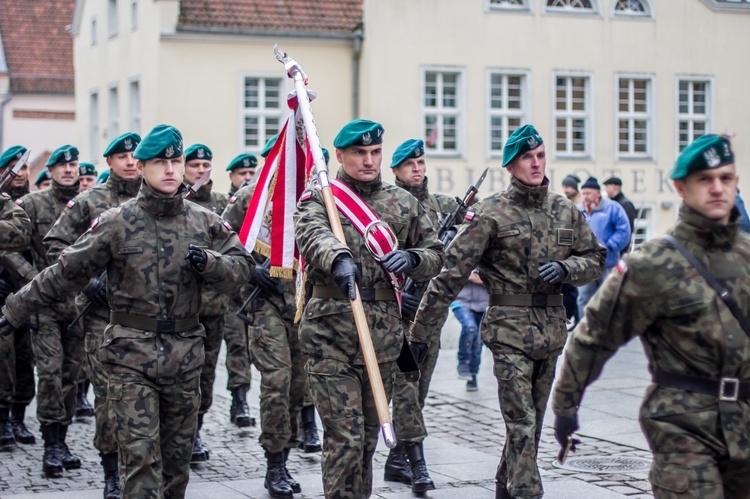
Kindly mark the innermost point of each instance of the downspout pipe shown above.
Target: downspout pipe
(2, 118)
(358, 36)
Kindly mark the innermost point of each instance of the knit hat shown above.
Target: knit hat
(591, 183)
(571, 181)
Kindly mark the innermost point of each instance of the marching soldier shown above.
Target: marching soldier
(337, 376)
(525, 242)
(17, 383)
(691, 317)
(158, 252)
(235, 331)
(58, 352)
(409, 167)
(214, 304)
(87, 176)
(121, 185)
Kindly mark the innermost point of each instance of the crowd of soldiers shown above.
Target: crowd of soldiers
(131, 285)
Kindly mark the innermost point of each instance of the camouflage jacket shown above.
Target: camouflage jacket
(213, 302)
(78, 216)
(683, 324)
(327, 327)
(16, 192)
(15, 226)
(142, 245)
(506, 237)
(437, 206)
(234, 214)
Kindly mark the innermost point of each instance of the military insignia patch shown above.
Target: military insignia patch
(622, 266)
(366, 139)
(306, 195)
(246, 162)
(71, 203)
(532, 142)
(469, 215)
(712, 157)
(226, 224)
(200, 153)
(95, 223)
(5, 195)
(565, 237)
(232, 199)
(19, 202)
(128, 143)
(169, 151)
(18, 156)
(67, 155)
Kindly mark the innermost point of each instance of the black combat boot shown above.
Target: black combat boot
(310, 441)
(7, 440)
(294, 484)
(420, 481)
(111, 476)
(69, 461)
(22, 434)
(83, 408)
(397, 467)
(239, 413)
(51, 463)
(276, 476)
(501, 492)
(200, 453)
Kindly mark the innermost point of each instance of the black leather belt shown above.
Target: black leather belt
(534, 300)
(727, 389)
(367, 294)
(163, 326)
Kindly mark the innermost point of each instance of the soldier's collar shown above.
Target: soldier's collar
(64, 192)
(707, 233)
(204, 193)
(161, 206)
(129, 187)
(420, 191)
(528, 195)
(18, 191)
(362, 188)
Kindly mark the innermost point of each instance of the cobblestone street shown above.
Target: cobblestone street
(463, 449)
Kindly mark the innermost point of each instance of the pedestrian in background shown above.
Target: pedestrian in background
(613, 186)
(468, 308)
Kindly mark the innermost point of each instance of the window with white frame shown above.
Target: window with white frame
(263, 110)
(632, 8)
(572, 115)
(133, 14)
(507, 107)
(441, 111)
(643, 225)
(573, 6)
(113, 125)
(112, 21)
(94, 124)
(634, 117)
(134, 105)
(509, 4)
(693, 110)
(93, 31)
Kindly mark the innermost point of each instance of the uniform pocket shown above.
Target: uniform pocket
(670, 479)
(334, 393)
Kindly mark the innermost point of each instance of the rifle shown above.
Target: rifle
(192, 190)
(12, 173)
(250, 320)
(410, 287)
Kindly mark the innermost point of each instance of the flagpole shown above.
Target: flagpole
(295, 72)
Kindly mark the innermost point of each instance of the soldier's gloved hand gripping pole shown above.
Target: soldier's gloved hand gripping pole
(295, 72)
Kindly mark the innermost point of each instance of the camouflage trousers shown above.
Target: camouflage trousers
(238, 355)
(104, 434)
(214, 326)
(524, 386)
(276, 354)
(699, 476)
(17, 384)
(155, 428)
(346, 405)
(58, 355)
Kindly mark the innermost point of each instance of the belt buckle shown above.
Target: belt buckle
(367, 294)
(729, 389)
(165, 326)
(538, 300)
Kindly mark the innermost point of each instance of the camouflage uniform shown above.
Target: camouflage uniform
(153, 347)
(72, 223)
(407, 415)
(58, 353)
(214, 305)
(274, 343)
(338, 379)
(506, 237)
(700, 443)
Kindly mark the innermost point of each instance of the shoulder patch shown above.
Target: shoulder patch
(71, 204)
(232, 199)
(95, 223)
(306, 195)
(469, 215)
(5, 195)
(18, 201)
(622, 267)
(226, 224)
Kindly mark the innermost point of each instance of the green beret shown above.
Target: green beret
(412, 148)
(43, 175)
(243, 161)
(267, 148)
(709, 151)
(326, 156)
(127, 142)
(163, 142)
(359, 133)
(63, 154)
(87, 169)
(523, 139)
(103, 176)
(11, 154)
(198, 151)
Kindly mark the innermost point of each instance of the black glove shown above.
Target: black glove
(5, 327)
(262, 278)
(419, 351)
(345, 274)
(409, 305)
(399, 261)
(448, 236)
(96, 291)
(197, 258)
(552, 272)
(564, 428)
